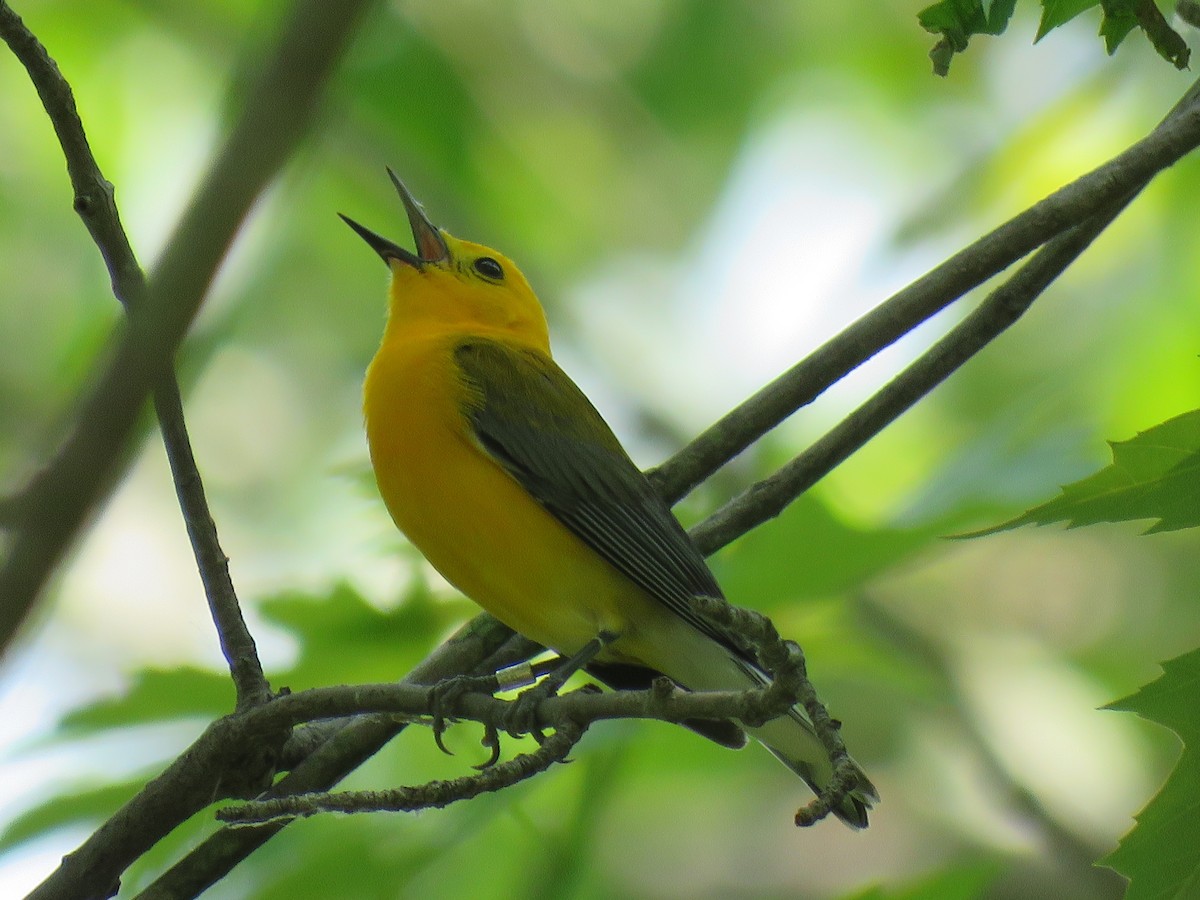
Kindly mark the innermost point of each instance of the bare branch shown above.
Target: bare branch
(567, 716)
(93, 193)
(96, 205)
(208, 770)
(769, 497)
(197, 777)
(434, 795)
(480, 646)
(57, 501)
(902, 312)
(237, 643)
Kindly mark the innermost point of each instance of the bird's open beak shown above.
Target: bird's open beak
(431, 246)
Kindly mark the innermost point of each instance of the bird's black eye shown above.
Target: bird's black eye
(489, 268)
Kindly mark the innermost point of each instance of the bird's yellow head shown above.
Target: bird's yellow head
(450, 283)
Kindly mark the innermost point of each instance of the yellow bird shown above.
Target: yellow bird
(502, 473)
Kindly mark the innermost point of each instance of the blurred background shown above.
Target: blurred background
(702, 192)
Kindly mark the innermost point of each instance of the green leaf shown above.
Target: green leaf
(1119, 20)
(1059, 12)
(1155, 475)
(1122, 16)
(957, 21)
(1161, 856)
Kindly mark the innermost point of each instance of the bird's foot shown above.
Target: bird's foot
(446, 693)
(522, 715)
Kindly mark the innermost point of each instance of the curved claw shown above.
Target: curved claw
(444, 693)
(521, 717)
(491, 738)
(439, 728)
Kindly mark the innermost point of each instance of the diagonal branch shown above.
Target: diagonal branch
(93, 192)
(237, 643)
(482, 645)
(970, 267)
(47, 516)
(432, 795)
(768, 498)
(1179, 130)
(96, 205)
(201, 774)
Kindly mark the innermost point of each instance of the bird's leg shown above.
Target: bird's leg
(506, 679)
(522, 718)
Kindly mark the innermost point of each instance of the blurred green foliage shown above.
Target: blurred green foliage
(617, 152)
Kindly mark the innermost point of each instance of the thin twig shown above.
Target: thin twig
(473, 649)
(96, 204)
(54, 504)
(237, 643)
(1178, 135)
(433, 795)
(769, 497)
(93, 192)
(57, 501)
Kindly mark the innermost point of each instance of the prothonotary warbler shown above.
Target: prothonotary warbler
(502, 473)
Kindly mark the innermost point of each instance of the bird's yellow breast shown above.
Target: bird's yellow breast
(472, 521)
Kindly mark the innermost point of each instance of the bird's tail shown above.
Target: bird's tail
(793, 741)
(697, 662)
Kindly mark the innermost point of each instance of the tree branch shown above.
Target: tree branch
(567, 715)
(202, 773)
(433, 795)
(96, 204)
(970, 267)
(237, 643)
(482, 645)
(768, 498)
(94, 200)
(54, 505)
